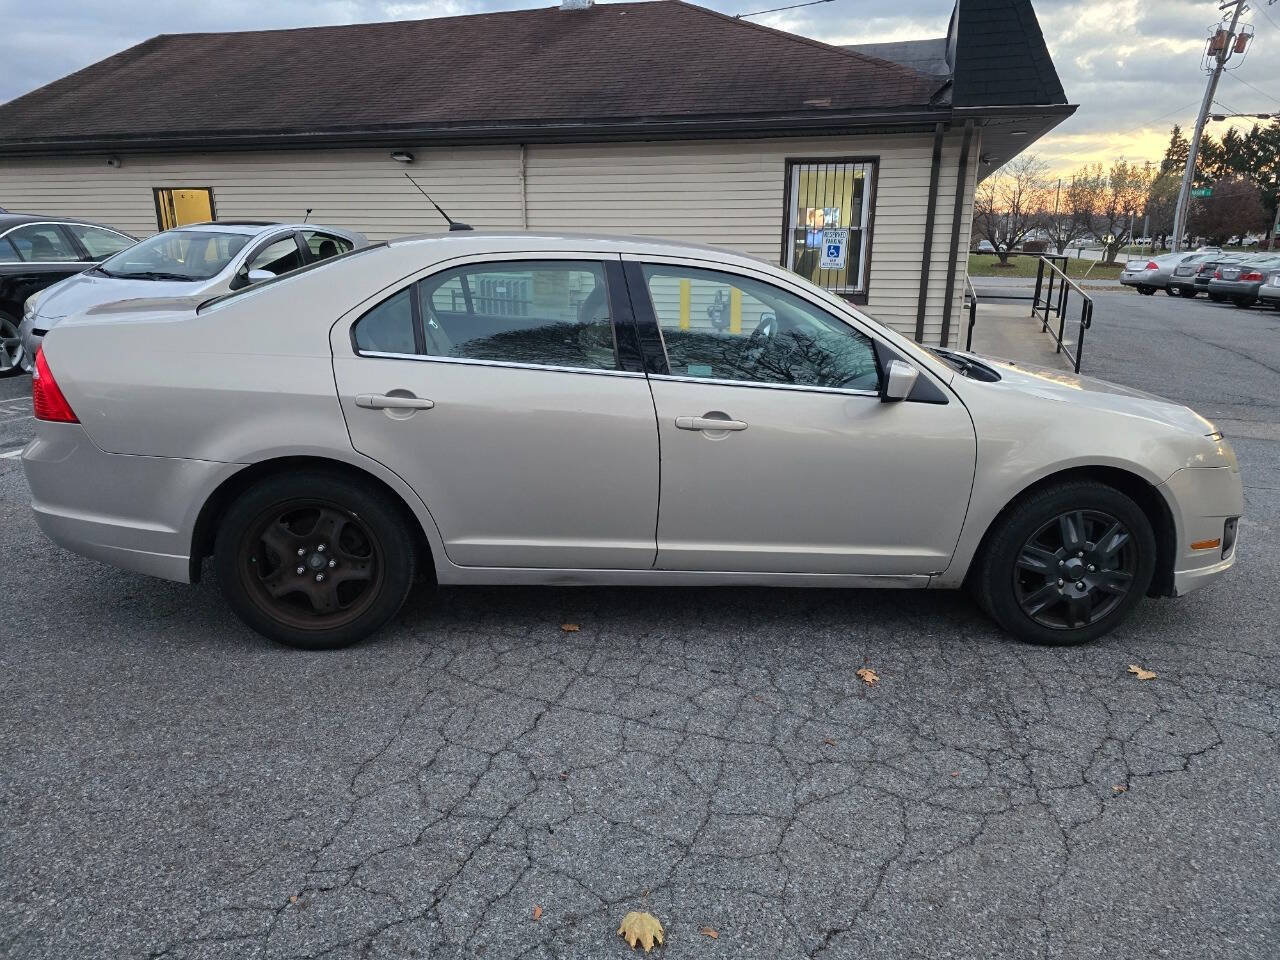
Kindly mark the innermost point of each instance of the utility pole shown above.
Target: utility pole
(1221, 48)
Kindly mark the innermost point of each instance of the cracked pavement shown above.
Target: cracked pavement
(175, 787)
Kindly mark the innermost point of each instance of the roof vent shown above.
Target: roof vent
(575, 4)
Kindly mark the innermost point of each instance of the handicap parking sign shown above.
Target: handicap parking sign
(835, 249)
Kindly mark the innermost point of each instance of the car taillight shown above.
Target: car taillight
(1151, 265)
(47, 399)
(1251, 275)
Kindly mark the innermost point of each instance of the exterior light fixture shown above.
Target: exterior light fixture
(1017, 133)
(402, 156)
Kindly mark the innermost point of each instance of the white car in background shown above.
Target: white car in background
(549, 409)
(195, 261)
(1149, 274)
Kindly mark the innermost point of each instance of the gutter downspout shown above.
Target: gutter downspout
(927, 251)
(524, 188)
(961, 176)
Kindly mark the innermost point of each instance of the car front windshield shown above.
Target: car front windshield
(176, 255)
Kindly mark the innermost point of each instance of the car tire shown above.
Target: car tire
(1217, 298)
(1187, 292)
(1245, 302)
(10, 347)
(1146, 290)
(1171, 291)
(353, 542)
(1027, 572)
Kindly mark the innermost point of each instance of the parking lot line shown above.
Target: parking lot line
(11, 454)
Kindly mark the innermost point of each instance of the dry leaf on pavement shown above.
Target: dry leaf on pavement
(1119, 788)
(829, 742)
(643, 929)
(867, 676)
(537, 912)
(570, 627)
(1141, 674)
(710, 932)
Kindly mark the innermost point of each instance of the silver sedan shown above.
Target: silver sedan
(1149, 274)
(523, 409)
(197, 261)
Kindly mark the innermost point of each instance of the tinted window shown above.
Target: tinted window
(278, 257)
(548, 313)
(725, 327)
(388, 327)
(98, 242)
(7, 253)
(42, 243)
(324, 245)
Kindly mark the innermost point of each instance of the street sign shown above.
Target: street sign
(1202, 192)
(835, 249)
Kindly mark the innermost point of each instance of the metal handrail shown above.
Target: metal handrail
(1048, 270)
(972, 297)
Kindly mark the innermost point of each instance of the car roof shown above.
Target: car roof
(253, 228)
(464, 242)
(8, 220)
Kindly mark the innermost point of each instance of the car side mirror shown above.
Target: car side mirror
(898, 382)
(257, 276)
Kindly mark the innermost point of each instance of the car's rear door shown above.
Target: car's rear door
(508, 391)
(810, 472)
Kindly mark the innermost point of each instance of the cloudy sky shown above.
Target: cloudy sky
(1133, 66)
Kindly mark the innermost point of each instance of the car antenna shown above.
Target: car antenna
(308, 216)
(453, 224)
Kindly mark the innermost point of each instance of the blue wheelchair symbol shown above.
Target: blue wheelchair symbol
(833, 251)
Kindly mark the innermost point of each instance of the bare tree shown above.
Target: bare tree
(1123, 194)
(1009, 204)
(1069, 215)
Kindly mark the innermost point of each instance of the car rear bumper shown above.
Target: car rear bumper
(1176, 283)
(1235, 288)
(1141, 278)
(137, 513)
(1203, 500)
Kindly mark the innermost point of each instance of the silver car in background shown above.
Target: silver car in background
(1149, 274)
(551, 409)
(1269, 292)
(195, 261)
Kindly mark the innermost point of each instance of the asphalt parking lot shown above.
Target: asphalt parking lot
(173, 786)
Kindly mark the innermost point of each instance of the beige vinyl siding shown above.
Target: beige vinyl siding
(727, 193)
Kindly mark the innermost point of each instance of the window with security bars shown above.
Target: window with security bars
(828, 222)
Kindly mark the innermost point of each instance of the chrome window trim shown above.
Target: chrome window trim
(425, 358)
(58, 223)
(756, 385)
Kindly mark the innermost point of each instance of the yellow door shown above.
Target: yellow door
(177, 206)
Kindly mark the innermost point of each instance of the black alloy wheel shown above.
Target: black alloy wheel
(315, 560)
(1075, 569)
(1066, 563)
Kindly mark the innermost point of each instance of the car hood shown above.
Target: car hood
(85, 291)
(1058, 386)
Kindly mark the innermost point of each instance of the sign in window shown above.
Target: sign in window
(828, 222)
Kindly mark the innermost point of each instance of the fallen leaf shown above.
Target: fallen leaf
(295, 898)
(570, 627)
(710, 932)
(829, 742)
(867, 676)
(1141, 674)
(955, 773)
(643, 929)
(537, 912)
(1119, 788)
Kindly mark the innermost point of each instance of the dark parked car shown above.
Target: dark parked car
(36, 252)
(1205, 271)
(1240, 282)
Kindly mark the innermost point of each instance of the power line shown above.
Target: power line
(1252, 87)
(760, 13)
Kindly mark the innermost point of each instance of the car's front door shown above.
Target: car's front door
(777, 453)
(509, 393)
